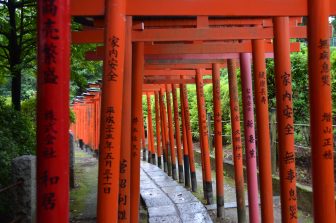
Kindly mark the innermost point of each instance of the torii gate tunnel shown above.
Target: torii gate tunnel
(153, 48)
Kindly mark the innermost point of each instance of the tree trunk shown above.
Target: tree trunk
(16, 90)
(14, 57)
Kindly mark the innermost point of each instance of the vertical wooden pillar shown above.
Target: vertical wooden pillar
(137, 126)
(285, 121)
(149, 145)
(158, 126)
(185, 144)
(177, 134)
(125, 153)
(218, 139)
(151, 150)
(184, 99)
(143, 138)
(112, 92)
(236, 141)
(321, 111)
(273, 139)
(264, 149)
(204, 135)
(171, 133)
(250, 147)
(53, 112)
(167, 163)
(165, 167)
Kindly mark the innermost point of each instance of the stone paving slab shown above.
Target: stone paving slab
(167, 201)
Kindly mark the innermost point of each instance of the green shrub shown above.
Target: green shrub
(17, 138)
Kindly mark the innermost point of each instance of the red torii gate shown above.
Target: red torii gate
(51, 152)
(265, 180)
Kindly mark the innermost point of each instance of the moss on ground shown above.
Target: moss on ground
(86, 170)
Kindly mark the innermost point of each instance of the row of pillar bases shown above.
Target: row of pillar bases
(119, 169)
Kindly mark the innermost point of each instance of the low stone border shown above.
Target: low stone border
(304, 193)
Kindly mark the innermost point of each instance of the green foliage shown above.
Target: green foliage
(17, 47)
(83, 71)
(17, 133)
(29, 108)
(17, 137)
(300, 85)
(72, 116)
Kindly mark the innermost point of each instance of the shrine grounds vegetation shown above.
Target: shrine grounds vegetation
(17, 137)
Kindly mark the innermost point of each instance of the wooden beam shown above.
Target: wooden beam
(145, 22)
(189, 34)
(212, 34)
(175, 72)
(200, 7)
(169, 73)
(213, 48)
(185, 51)
(179, 66)
(174, 81)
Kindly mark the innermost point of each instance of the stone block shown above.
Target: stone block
(24, 168)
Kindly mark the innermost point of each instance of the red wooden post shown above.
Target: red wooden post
(143, 137)
(171, 133)
(151, 150)
(321, 111)
(285, 119)
(204, 136)
(112, 92)
(53, 111)
(158, 126)
(177, 134)
(137, 126)
(264, 149)
(236, 141)
(167, 164)
(185, 144)
(184, 99)
(218, 139)
(250, 148)
(125, 153)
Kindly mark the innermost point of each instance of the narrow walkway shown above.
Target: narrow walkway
(166, 200)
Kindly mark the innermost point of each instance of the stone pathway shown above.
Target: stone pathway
(166, 200)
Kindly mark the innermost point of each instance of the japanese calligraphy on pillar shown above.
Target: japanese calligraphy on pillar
(135, 137)
(287, 131)
(249, 125)
(326, 119)
(51, 34)
(263, 89)
(109, 147)
(235, 117)
(113, 58)
(52, 120)
(122, 200)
